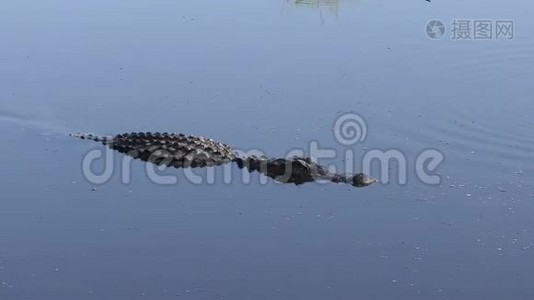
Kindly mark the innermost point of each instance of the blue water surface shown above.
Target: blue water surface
(271, 76)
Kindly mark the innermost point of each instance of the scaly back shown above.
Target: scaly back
(170, 149)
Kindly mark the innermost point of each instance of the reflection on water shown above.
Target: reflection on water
(330, 6)
(318, 3)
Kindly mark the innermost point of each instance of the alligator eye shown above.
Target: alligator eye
(240, 163)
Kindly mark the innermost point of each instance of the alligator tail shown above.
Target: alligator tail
(88, 136)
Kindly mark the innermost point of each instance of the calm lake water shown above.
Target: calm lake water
(272, 76)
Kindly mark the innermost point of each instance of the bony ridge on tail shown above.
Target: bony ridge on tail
(187, 151)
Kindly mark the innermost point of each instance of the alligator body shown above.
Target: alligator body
(187, 151)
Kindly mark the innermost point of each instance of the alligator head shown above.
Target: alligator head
(361, 180)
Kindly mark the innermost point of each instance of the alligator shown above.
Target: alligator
(186, 151)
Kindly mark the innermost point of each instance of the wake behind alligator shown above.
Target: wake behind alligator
(187, 151)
